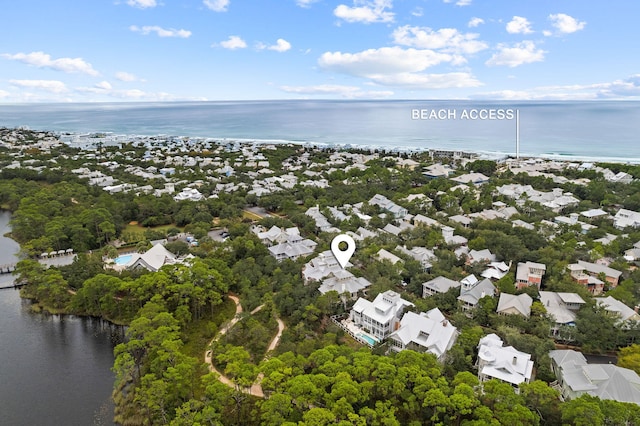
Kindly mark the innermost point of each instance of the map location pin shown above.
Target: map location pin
(343, 256)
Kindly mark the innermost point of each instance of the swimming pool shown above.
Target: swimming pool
(370, 340)
(123, 260)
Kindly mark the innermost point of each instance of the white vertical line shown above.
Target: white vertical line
(517, 134)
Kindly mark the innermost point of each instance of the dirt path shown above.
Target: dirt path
(207, 355)
(256, 388)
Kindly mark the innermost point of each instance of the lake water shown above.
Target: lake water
(54, 370)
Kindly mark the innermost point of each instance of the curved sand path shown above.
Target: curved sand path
(256, 388)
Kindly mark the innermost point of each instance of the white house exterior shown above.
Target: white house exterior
(562, 307)
(438, 285)
(385, 204)
(506, 364)
(381, 317)
(626, 218)
(425, 332)
(605, 381)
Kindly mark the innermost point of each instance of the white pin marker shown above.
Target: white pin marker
(343, 256)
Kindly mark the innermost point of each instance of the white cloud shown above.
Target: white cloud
(4, 94)
(520, 53)
(43, 60)
(459, 2)
(350, 92)
(385, 60)
(566, 24)
(428, 81)
(160, 32)
(628, 88)
(366, 11)
(126, 76)
(417, 12)
(305, 3)
(217, 5)
(474, 22)
(446, 39)
(233, 42)
(53, 86)
(519, 25)
(281, 45)
(395, 66)
(142, 4)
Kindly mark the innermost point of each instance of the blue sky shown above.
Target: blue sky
(170, 50)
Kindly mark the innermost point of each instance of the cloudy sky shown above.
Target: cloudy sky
(164, 50)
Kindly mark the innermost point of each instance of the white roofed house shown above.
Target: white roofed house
(424, 332)
(511, 304)
(345, 283)
(605, 381)
(625, 314)
(152, 260)
(383, 255)
(562, 308)
(626, 218)
(470, 296)
(506, 364)
(484, 255)
(321, 266)
(438, 285)
(420, 254)
(385, 204)
(380, 317)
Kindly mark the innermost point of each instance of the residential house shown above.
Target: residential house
(293, 249)
(386, 255)
(438, 285)
(345, 283)
(471, 178)
(424, 332)
(626, 218)
(461, 220)
(633, 253)
(506, 364)
(321, 267)
(322, 223)
(469, 297)
(577, 377)
(484, 255)
(587, 273)
(381, 317)
(511, 304)
(437, 171)
(449, 238)
(614, 306)
(562, 308)
(420, 254)
(190, 194)
(151, 260)
(529, 273)
(385, 204)
(496, 270)
(424, 220)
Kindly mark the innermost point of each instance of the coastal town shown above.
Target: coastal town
(474, 281)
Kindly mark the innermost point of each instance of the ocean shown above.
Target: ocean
(589, 130)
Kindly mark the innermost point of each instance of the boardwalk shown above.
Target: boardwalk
(256, 388)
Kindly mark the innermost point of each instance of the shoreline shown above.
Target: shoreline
(343, 146)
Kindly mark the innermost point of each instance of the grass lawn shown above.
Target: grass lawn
(250, 215)
(138, 230)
